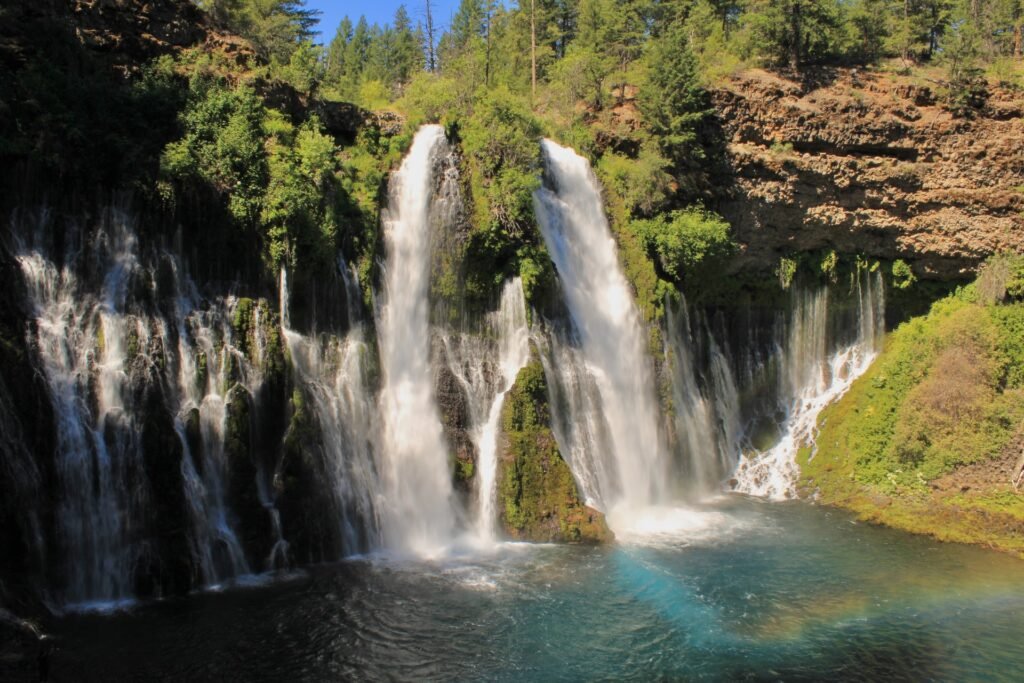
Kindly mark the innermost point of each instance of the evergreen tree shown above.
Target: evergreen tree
(672, 101)
(792, 32)
(356, 56)
(408, 57)
(336, 69)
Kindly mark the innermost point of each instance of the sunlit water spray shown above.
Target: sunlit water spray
(632, 468)
(417, 509)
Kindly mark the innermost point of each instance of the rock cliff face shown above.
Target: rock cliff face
(870, 163)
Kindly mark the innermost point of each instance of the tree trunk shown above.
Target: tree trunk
(533, 49)
(1018, 39)
(487, 49)
(794, 48)
(431, 57)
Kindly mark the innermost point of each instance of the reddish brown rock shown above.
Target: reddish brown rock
(870, 163)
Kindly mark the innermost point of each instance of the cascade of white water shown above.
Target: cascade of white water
(607, 324)
(99, 353)
(97, 465)
(812, 377)
(332, 374)
(577, 413)
(203, 337)
(513, 335)
(486, 365)
(707, 422)
(417, 509)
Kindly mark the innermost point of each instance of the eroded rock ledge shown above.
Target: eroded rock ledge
(870, 163)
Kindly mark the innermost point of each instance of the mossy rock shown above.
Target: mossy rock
(253, 520)
(539, 499)
(308, 510)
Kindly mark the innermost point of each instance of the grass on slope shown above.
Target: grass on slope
(928, 438)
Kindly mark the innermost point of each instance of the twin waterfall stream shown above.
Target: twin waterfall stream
(123, 333)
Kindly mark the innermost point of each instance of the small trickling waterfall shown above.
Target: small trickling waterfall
(817, 365)
(629, 466)
(332, 372)
(486, 366)
(116, 351)
(418, 514)
(706, 406)
(203, 379)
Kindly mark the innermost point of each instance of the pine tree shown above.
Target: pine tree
(336, 52)
(408, 58)
(672, 101)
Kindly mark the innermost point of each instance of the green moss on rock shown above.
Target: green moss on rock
(538, 497)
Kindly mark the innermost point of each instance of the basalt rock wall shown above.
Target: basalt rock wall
(871, 163)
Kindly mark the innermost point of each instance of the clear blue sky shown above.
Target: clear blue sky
(377, 12)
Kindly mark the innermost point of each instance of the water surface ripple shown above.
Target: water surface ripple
(761, 591)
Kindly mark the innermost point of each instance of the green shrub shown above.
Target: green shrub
(643, 183)
(686, 241)
(222, 145)
(786, 271)
(902, 275)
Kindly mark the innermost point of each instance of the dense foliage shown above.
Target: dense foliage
(285, 184)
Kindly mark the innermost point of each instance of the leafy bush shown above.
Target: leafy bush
(501, 134)
(686, 241)
(642, 183)
(222, 145)
(299, 213)
(902, 275)
(431, 98)
(500, 139)
(282, 181)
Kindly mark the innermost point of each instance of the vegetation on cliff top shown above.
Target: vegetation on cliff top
(929, 439)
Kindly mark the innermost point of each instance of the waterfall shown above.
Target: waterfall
(577, 414)
(96, 504)
(510, 328)
(706, 406)
(418, 514)
(626, 454)
(128, 347)
(203, 338)
(813, 375)
(486, 365)
(332, 373)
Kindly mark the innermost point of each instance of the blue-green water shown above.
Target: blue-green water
(746, 591)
